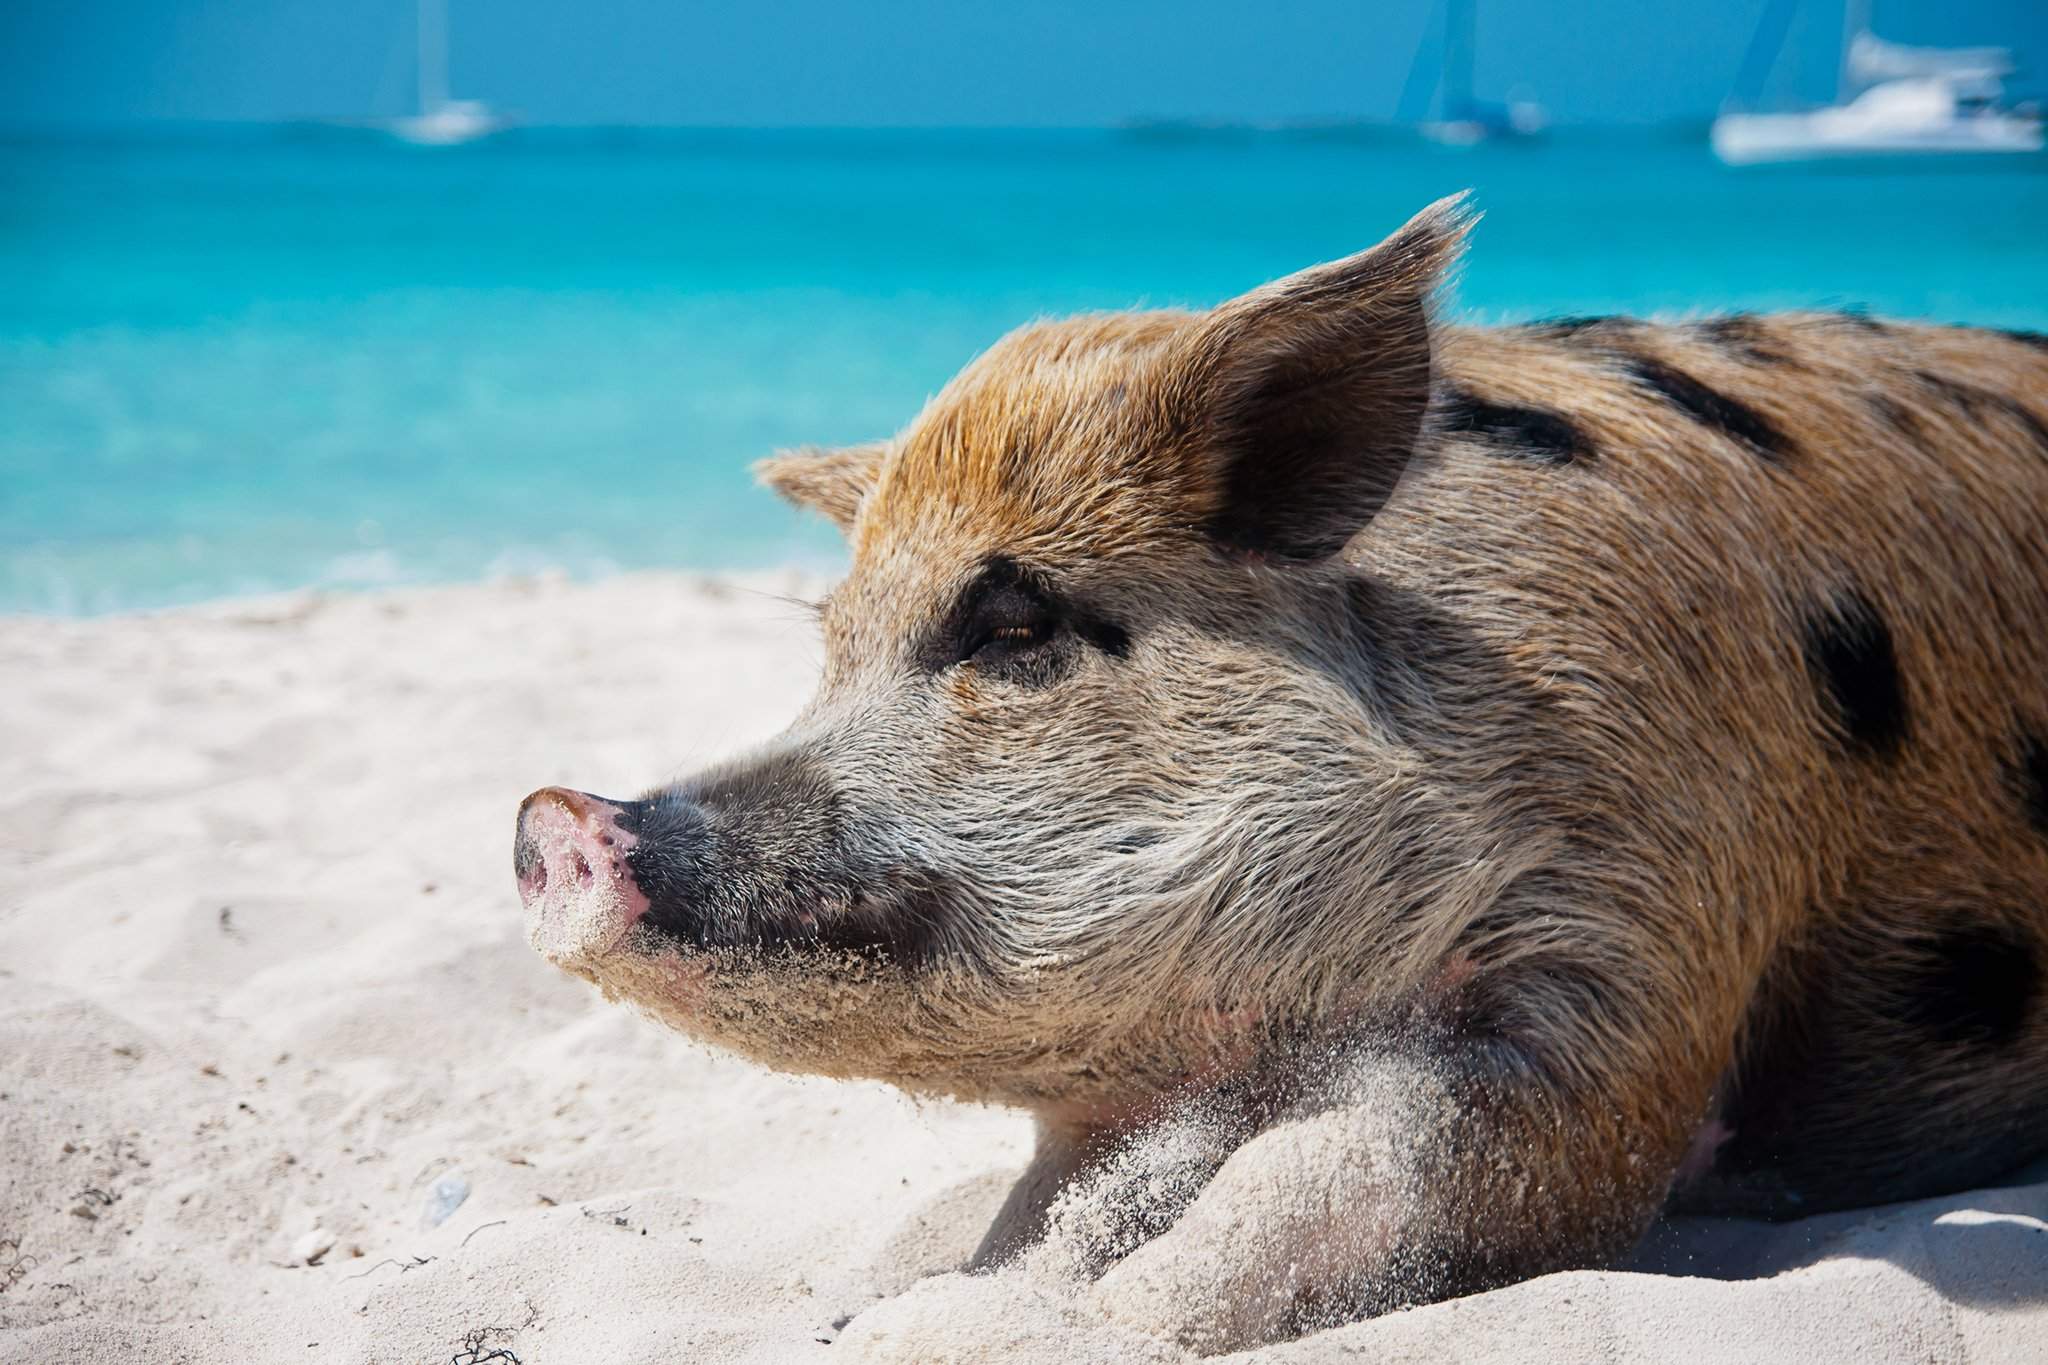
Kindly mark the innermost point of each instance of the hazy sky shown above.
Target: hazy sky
(975, 62)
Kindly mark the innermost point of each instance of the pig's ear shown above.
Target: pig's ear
(1307, 395)
(828, 481)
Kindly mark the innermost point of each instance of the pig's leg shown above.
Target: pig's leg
(1088, 1197)
(1438, 1176)
(1060, 1156)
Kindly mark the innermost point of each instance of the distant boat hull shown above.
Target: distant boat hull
(447, 125)
(1517, 120)
(1748, 139)
(1906, 117)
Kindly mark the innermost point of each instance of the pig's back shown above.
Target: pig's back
(1783, 583)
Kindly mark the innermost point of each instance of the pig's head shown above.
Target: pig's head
(1094, 797)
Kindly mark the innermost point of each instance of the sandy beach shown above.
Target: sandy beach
(280, 1078)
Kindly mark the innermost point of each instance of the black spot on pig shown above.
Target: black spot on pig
(1850, 656)
(2023, 417)
(1862, 321)
(1572, 326)
(1519, 432)
(1898, 416)
(2032, 775)
(1745, 337)
(1967, 397)
(1975, 986)
(1711, 408)
(1982, 405)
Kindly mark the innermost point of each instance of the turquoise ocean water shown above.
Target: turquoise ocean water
(236, 360)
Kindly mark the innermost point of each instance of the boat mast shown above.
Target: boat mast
(433, 36)
(1855, 21)
(1460, 23)
(1762, 54)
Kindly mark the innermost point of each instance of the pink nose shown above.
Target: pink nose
(574, 878)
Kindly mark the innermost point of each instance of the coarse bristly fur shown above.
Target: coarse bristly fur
(1508, 781)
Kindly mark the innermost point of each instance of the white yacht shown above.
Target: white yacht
(1892, 100)
(1462, 120)
(441, 122)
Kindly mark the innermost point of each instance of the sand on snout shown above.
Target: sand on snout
(268, 1011)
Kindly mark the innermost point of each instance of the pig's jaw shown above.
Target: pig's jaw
(671, 986)
(848, 1015)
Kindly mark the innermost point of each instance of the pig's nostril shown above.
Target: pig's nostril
(570, 857)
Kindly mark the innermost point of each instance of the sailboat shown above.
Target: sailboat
(441, 122)
(1906, 100)
(1463, 120)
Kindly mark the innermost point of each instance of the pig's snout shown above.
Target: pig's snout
(571, 858)
(748, 857)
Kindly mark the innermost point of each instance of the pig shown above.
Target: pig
(1463, 790)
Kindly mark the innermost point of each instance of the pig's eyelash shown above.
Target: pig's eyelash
(1018, 612)
(1035, 629)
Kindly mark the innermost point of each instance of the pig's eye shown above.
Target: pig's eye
(1004, 629)
(1011, 626)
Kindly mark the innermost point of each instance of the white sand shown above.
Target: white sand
(264, 988)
